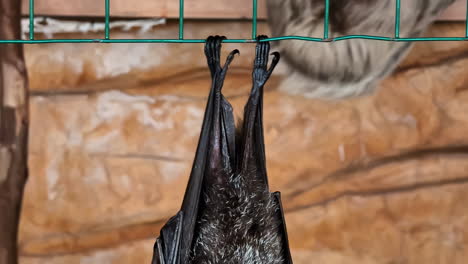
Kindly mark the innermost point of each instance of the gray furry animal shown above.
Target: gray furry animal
(228, 215)
(352, 67)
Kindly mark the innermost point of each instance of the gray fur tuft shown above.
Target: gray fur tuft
(238, 224)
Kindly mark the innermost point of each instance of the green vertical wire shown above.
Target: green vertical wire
(254, 19)
(466, 19)
(397, 19)
(181, 19)
(326, 19)
(31, 19)
(107, 26)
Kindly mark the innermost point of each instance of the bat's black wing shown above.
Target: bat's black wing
(216, 154)
(253, 143)
(174, 244)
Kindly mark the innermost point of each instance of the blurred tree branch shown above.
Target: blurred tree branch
(13, 129)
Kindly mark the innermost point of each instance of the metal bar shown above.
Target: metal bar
(31, 19)
(378, 38)
(326, 19)
(397, 18)
(466, 20)
(254, 19)
(107, 21)
(230, 40)
(181, 19)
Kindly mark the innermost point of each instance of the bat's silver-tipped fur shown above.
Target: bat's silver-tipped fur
(352, 67)
(238, 225)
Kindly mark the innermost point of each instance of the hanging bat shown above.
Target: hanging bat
(345, 68)
(228, 214)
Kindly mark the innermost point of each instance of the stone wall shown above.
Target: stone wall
(378, 179)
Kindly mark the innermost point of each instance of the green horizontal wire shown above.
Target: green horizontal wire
(230, 40)
(397, 18)
(326, 19)
(254, 31)
(31, 19)
(254, 19)
(107, 21)
(181, 19)
(181, 39)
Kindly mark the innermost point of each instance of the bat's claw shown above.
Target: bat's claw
(213, 55)
(274, 62)
(261, 74)
(229, 59)
(262, 50)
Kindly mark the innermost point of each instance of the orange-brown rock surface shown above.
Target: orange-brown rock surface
(378, 179)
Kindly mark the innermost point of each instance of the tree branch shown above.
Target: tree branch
(13, 130)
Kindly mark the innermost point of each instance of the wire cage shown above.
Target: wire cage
(107, 38)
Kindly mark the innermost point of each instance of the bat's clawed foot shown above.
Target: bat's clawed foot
(261, 73)
(213, 53)
(213, 56)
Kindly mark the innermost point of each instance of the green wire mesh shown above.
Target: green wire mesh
(108, 39)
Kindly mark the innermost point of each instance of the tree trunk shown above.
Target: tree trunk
(13, 129)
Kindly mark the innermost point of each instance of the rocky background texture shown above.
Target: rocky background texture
(380, 179)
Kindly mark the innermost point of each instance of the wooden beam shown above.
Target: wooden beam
(13, 129)
(144, 8)
(219, 9)
(132, 8)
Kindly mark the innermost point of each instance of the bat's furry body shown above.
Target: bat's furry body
(352, 67)
(228, 215)
(238, 225)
